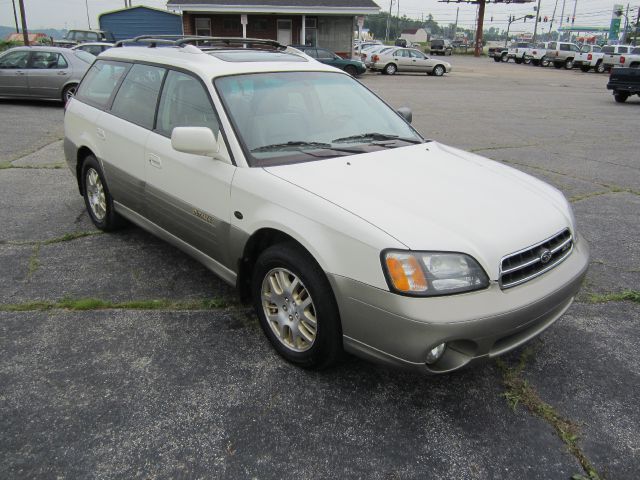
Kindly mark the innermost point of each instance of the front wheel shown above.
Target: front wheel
(568, 64)
(97, 198)
(599, 67)
(504, 57)
(517, 60)
(496, 59)
(535, 62)
(295, 305)
(390, 69)
(544, 62)
(351, 70)
(438, 70)
(526, 60)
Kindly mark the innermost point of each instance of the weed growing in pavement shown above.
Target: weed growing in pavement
(627, 295)
(86, 304)
(518, 391)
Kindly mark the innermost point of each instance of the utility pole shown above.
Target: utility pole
(398, 19)
(626, 25)
(86, 4)
(25, 33)
(386, 35)
(553, 17)
(535, 27)
(561, 19)
(15, 15)
(455, 26)
(478, 47)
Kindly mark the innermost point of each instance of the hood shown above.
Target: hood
(434, 197)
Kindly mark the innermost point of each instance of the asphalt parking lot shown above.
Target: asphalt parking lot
(188, 387)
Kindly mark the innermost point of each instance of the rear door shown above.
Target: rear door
(124, 129)
(13, 74)
(188, 195)
(47, 74)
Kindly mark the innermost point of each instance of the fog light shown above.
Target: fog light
(435, 353)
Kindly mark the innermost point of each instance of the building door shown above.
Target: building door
(284, 31)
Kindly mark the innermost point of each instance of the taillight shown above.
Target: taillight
(375, 58)
(589, 57)
(622, 59)
(534, 52)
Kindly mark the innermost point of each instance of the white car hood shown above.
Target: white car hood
(434, 197)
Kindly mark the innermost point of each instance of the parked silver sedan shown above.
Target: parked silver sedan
(50, 73)
(408, 60)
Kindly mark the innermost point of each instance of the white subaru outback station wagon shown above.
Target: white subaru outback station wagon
(346, 229)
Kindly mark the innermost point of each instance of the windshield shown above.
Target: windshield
(290, 117)
(84, 56)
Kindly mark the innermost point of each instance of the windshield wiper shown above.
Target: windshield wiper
(295, 145)
(375, 136)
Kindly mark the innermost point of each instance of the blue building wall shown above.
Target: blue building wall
(131, 22)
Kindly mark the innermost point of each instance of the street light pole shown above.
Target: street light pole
(511, 20)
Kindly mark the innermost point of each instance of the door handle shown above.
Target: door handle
(62, 73)
(19, 73)
(100, 133)
(154, 160)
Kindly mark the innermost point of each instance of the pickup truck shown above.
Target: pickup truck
(624, 82)
(632, 59)
(562, 54)
(519, 52)
(612, 55)
(537, 54)
(590, 56)
(499, 54)
(76, 37)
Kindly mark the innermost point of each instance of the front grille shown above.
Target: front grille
(522, 266)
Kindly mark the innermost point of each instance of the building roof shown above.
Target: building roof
(411, 31)
(277, 6)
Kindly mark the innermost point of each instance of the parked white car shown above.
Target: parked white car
(367, 54)
(537, 54)
(520, 52)
(590, 56)
(632, 59)
(408, 60)
(343, 226)
(612, 53)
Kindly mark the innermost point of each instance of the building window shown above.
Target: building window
(311, 32)
(203, 26)
(231, 24)
(259, 24)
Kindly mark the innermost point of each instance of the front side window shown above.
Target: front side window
(289, 117)
(312, 52)
(137, 98)
(586, 49)
(184, 103)
(46, 60)
(325, 54)
(416, 54)
(574, 48)
(101, 80)
(14, 60)
(564, 47)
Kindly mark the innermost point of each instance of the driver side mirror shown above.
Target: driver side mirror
(198, 141)
(405, 112)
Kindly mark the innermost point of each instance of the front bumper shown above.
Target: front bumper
(398, 330)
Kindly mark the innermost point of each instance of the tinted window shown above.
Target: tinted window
(325, 54)
(312, 52)
(608, 49)
(92, 36)
(137, 98)
(100, 81)
(565, 47)
(437, 43)
(14, 60)
(636, 51)
(92, 49)
(45, 60)
(184, 103)
(622, 50)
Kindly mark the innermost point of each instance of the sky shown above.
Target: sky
(73, 13)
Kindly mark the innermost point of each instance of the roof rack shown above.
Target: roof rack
(203, 41)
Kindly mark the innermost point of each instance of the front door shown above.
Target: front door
(284, 31)
(188, 195)
(13, 74)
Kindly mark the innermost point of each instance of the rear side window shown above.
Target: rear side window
(608, 49)
(622, 50)
(565, 47)
(46, 60)
(184, 103)
(137, 98)
(98, 85)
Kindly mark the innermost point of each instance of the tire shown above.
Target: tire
(68, 92)
(438, 70)
(504, 58)
(634, 65)
(351, 70)
(535, 62)
(544, 62)
(557, 65)
(568, 64)
(450, 52)
(97, 198)
(585, 68)
(290, 328)
(620, 97)
(517, 60)
(390, 69)
(599, 67)
(496, 59)
(526, 60)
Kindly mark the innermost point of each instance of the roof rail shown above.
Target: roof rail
(204, 41)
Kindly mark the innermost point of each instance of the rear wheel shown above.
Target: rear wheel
(599, 67)
(504, 57)
(97, 198)
(620, 97)
(68, 92)
(535, 62)
(296, 307)
(526, 60)
(544, 62)
(390, 69)
(568, 64)
(496, 58)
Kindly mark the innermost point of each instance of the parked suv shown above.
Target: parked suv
(328, 211)
(441, 47)
(561, 54)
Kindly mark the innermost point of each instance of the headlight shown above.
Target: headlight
(424, 274)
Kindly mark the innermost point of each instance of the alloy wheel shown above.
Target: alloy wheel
(95, 194)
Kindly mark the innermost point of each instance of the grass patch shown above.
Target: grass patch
(627, 295)
(87, 304)
(67, 237)
(34, 261)
(519, 391)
